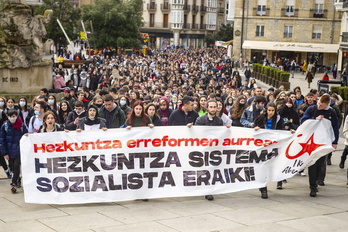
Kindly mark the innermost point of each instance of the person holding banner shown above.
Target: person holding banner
(269, 119)
(91, 121)
(184, 115)
(112, 113)
(138, 117)
(49, 123)
(150, 110)
(317, 171)
(210, 119)
(11, 133)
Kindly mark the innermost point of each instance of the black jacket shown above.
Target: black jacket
(179, 118)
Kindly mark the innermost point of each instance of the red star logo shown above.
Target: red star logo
(307, 147)
(310, 146)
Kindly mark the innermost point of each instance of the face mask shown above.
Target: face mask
(91, 118)
(123, 103)
(200, 92)
(22, 103)
(10, 108)
(241, 104)
(195, 106)
(261, 107)
(170, 107)
(230, 102)
(99, 105)
(37, 112)
(50, 102)
(12, 120)
(2, 104)
(175, 101)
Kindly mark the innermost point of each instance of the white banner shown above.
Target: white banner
(143, 163)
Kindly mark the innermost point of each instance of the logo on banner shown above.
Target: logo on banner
(307, 147)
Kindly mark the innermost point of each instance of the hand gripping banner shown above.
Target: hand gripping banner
(143, 163)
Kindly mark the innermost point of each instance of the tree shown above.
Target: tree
(67, 15)
(224, 34)
(116, 23)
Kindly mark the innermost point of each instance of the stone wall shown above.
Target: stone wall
(26, 80)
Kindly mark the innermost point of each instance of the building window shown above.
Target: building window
(261, 7)
(152, 20)
(319, 9)
(288, 31)
(260, 30)
(317, 30)
(290, 8)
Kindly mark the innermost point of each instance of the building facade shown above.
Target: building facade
(342, 9)
(182, 23)
(295, 29)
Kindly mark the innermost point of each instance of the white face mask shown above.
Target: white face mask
(12, 120)
(2, 104)
(22, 103)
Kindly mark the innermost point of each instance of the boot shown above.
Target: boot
(313, 192)
(328, 162)
(341, 165)
(209, 197)
(264, 194)
(280, 185)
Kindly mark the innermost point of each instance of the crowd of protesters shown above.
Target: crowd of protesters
(171, 87)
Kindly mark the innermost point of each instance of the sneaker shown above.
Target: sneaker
(321, 183)
(209, 197)
(285, 181)
(8, 173)
(13, 188)
(302, 174)
(280, 185)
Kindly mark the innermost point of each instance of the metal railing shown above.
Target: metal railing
(318, 14)
(152, 6)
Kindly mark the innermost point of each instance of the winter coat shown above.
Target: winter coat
(9, 139)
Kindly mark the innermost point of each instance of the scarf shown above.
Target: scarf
(18, 124)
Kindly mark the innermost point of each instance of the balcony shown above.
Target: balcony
(186, 7)
(318, 14)
(186, 26)
(152, 6)
(261, 13)
(165, 7)
(203, 26)
(176, 25)
(289, 14)
(157, 25)
(203, 9)
(221, 10)
(195, 8)
(195, 26)
(211, 27)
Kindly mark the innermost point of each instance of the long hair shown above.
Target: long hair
(237, 109)
(147, 109)
(144, 117)
(199, 107)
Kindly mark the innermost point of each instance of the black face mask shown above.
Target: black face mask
(99, 105)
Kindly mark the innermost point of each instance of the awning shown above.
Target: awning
(297, 47)
(227, 43)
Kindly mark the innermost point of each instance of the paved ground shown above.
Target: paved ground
(290, 209)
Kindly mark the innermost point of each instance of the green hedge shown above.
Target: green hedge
(342, 91)
(272, 72)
